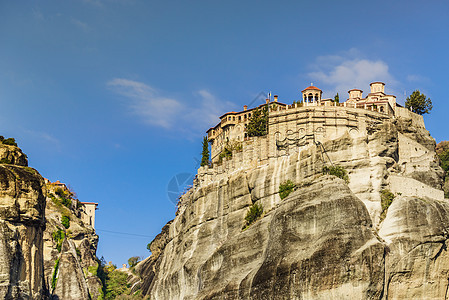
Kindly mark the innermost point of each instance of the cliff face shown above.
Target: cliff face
(70, 248)
(39, 257)
(22, 205)
(326, 240)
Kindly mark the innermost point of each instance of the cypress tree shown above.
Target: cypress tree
(205, 153)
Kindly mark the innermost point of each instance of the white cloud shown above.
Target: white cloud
(340, 73)
(157, 109)
(147, 102)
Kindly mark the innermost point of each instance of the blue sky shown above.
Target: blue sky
(113, 97)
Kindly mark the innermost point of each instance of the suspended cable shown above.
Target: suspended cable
(124, 233)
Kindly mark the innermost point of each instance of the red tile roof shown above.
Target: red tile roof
(311, 88)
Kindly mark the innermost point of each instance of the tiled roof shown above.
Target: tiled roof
(311, 88)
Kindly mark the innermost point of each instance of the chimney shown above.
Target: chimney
(275, 98)
(268, 100)
(245, 107)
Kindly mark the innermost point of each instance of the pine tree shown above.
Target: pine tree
(205, 153)
(419, 103)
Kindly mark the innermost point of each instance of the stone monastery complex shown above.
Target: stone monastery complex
(304, 129)
(311, 120)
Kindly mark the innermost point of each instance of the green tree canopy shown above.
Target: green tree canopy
(205, 153)
(337, 98)
(419, 103)
(258, 123)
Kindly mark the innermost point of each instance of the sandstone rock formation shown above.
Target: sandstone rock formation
(327, 239)
(37, 261)
(22, 222)
(70, 258)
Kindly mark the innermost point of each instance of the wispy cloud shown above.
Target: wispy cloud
(155, 108)
(348, 70)
(80, 24)
(44, 138)
(37, 14)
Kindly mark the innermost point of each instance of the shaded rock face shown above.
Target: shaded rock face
(326, 240)
(22, 205)
(416, 232)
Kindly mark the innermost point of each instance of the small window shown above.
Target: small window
(229, 118)
(240, 118)
(233, 118)
(249, 115)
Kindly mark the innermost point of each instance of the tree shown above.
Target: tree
(132, 261)
(205, 153)
(337, 98)
(419, 103)
(257, 125)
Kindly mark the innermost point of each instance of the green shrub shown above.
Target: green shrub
(10, 141)
(230, 148)
(386, 198)
(255, 211)
(132, 261)
(54, 278)
(338, 171)
(60, 192)
(66, 202)
(286, 188)
(2, 138)
(58, 237)
(65, 220)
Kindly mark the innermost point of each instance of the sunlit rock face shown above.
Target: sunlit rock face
(28, 252)
(327, 240)
(22, 205)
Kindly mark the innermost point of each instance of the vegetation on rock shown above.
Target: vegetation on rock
(443, 153)
(419, 103)
(338, 171)
(54, 277)
(65, 221)
(286, 188)
(255, 211)
(8, 141)
(258, 123)
(386, 198)
(58, 237)
(229, 148)
(132, 261)
(115, 282)
(205, 154)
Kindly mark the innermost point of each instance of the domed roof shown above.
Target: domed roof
(311, 88)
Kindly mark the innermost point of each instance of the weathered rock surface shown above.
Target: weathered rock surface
(76, 274)
(22, 205)
(28, 250)
(327, 240)
(12, 155)
(416, 232)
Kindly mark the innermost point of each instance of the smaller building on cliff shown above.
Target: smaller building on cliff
(88, 213)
